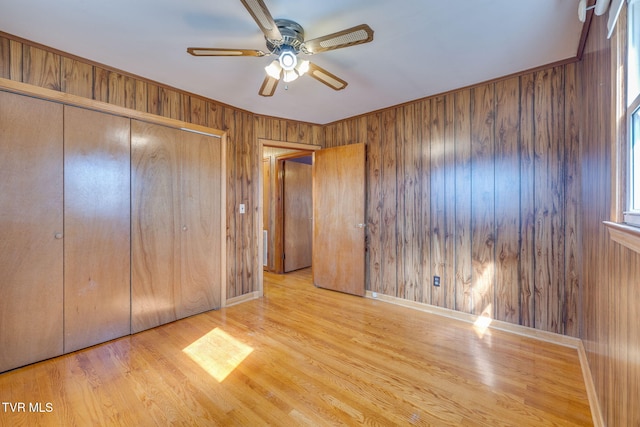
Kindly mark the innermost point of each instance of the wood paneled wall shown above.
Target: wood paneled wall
(478, 187)
(41, 66)
(611, 273)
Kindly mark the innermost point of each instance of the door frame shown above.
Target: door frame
(308, 149)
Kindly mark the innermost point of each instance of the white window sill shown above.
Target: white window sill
(626, 235)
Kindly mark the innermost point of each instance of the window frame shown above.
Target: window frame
(631, 216)
(624, 224)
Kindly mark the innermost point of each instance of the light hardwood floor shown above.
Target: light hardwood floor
(305, 356)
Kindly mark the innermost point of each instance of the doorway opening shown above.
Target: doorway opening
(286, 209)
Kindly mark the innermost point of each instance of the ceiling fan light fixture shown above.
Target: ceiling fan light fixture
(302, 67)
(274, 69)
(285, 39)
(289, 76)
(288, 59)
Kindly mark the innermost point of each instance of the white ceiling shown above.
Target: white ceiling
(420, 47)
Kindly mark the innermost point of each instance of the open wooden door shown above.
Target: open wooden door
(338, 218)
(297, 215)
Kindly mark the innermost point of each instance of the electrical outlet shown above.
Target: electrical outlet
(374, 294)
(242, 208)
(436, 280)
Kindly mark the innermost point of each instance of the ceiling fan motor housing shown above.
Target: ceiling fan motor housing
(292, 37)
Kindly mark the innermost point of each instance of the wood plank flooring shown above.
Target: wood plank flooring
(304, 356)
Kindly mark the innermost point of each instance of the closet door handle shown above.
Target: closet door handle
(58, 236)
(184, 228)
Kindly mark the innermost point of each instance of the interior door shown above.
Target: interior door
(297, 215)
(97, 283)
(155, 211)
(31, 227)
(338, 218)
(201, 239)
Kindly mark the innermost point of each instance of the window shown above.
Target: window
(634, 167)
(632, 214)
(624, 226)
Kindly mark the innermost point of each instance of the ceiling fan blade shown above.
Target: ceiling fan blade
(322, 75)
(263, 18)
(268, 87)
(213, 51)
(345, 38)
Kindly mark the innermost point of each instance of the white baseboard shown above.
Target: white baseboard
(242, 298)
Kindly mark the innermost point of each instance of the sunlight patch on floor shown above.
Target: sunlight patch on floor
(482, 323)
(218, 353)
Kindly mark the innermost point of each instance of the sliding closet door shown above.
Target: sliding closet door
(96, 219)
(31, 248)
(201, 234)
(155, 275)
(178, 239)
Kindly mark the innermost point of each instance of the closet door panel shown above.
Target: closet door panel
(31, 227)
(97, 228)
(201, 234)
(155, 275)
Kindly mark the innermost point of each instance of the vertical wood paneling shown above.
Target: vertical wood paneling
(438, 214)
(77, 78)
(252, 192)
(185, 107)
(548, 199)
(401, 219)
(242, 235)
(425, 197)
(41, 68)
(215, 119)
(389, 204)
(572, 306)
(292, 131)
(121, 90)
(414, 240)
(198, 111)
(17, 60)
(527, 219)
(609, 273)
(100, 84)
(233, 263)
(5, 58)
(329, 136)
(170, 103)
(153, 99)
(374, 204)
(116, 92)
(142, 98)
(462, 132)
(449, 202)
(361, 127)
(507, 193)
(482, 198)
(630, 320)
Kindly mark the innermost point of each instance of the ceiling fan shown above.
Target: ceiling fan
(285, 39)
